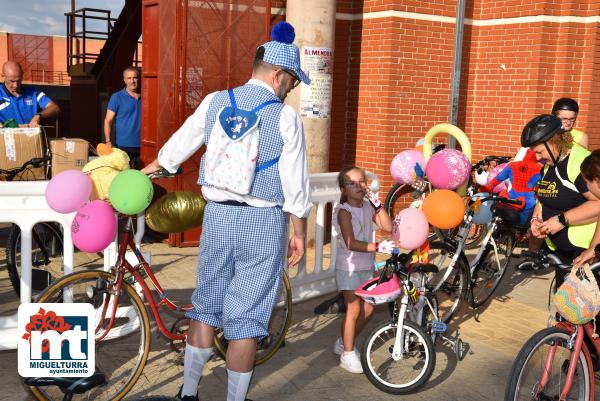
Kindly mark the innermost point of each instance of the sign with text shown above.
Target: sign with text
(315, 99)
(56, 340)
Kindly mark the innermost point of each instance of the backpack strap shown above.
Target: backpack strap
(254, 110)
(274, 161)
(265, 104)
(266, 165)
(232, 98)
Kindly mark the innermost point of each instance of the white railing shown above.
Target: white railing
(24, 204)
(318, 279)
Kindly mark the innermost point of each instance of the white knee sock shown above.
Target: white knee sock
(237, 385)
(193, 363)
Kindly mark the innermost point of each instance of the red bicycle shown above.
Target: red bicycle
(119, 297)
(557, 363)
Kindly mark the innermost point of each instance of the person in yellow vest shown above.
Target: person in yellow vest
(566, 109)
(566, 211)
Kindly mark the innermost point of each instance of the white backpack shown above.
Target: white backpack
(232, 150)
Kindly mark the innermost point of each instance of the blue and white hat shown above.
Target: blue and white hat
(282, 51)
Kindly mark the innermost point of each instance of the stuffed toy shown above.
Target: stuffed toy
(522, 178)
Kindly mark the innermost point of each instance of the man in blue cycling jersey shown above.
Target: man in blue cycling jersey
(23, 103)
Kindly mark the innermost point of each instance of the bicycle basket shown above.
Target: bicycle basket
(578, 298)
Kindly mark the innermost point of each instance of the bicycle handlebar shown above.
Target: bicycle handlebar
(395, 260)
(546, 257)
(499, 199)
(164, 173)
(486, 160)
(34, 162)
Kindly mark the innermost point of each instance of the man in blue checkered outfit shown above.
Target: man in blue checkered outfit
(243, 242)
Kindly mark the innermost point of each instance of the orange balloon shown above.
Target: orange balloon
(444, 209)
(103, 149)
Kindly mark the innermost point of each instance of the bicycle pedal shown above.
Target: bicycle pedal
(439, 327)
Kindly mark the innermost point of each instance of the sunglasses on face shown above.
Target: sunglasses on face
(296, 79)
(356, 184)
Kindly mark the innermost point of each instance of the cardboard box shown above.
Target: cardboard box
(68, 154)
(19, 145)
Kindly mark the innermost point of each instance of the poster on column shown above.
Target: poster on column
(315, 99)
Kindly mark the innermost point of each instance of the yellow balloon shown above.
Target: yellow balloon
(461, 138)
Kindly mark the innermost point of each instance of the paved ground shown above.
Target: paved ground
(306, 369)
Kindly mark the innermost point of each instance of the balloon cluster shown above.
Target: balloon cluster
(94, 225)
(447, 170)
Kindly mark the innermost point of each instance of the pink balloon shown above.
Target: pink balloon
(68, 191)
(410, 228)
(403, 165)
(448, 169)
(493, 173)
(94, 226)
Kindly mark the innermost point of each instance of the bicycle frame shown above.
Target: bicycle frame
(416, 314)
(484, 248)
(576, 343)
(122, 266)
(462, 237)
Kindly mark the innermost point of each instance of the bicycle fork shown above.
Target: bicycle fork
(575, 345)
(398, 351)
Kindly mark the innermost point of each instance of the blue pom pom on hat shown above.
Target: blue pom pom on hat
(282, 52)
(283, 32)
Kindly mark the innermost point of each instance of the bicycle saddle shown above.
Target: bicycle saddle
(508, 214)
(74, 385)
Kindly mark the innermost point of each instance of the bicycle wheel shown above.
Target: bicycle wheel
(449, 288)
(400, 197)
(407, 374)
(280, 321)
(46, 256)
(489, 271)
(540, 370)
(121, 353)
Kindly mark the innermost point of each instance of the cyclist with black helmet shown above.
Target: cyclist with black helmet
(566, 212)
(566, 109)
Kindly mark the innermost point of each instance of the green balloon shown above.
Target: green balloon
(130, 192)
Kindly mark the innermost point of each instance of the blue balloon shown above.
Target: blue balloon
(484, 215)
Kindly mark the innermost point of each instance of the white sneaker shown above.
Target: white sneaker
(338, 346)
(351, 362)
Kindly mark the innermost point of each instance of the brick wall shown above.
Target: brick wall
(393, 72)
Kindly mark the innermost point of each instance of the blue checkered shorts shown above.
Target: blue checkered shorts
(240, 266)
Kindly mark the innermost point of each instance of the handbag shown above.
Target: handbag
(578, 298)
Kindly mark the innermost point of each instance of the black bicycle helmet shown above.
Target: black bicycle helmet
(565, 103)
(540, 129)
